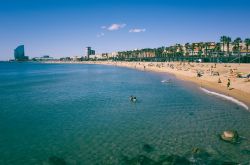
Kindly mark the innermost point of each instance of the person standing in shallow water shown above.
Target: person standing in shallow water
(228, 83)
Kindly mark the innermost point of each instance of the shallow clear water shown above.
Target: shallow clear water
(81, 114)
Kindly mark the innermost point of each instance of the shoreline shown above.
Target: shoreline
(240, 88)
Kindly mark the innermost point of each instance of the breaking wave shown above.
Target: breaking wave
(226, 97)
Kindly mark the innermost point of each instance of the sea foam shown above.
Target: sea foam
(225, 97)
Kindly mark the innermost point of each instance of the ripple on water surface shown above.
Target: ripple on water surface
(81, 114)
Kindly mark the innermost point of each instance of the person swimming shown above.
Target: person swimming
(133, 98)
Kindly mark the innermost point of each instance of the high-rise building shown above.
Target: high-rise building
(19, 54)
(89, 51)
(92, 52)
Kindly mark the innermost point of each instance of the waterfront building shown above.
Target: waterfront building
(113, 55)
(89, 52)
(76, 58)
(97, 57)
(43, 58)
(19, 54)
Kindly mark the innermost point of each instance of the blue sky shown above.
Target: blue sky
(65, 27)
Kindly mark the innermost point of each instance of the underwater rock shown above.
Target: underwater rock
(147, 148)
(139, 160)
(191, 114)
(198, 156)
(54, 160)
(245, 151)
(201, 156)
(164, 160)
(195, 150)
(237, 107)
(218, 162)
(230, 136)
(175, 160)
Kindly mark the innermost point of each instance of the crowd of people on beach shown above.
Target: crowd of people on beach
(207, 72)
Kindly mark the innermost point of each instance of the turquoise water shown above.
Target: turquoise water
(81, 114)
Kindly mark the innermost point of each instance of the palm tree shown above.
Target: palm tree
(206, 45)
(236, 44)
(200, 47)
(192, 48)
(247, 42)
(159, 51)
(228, 41)
(237, 47)
(181, 50)
(223, 41)
(187, 47)
(217, 49)
(173, 51)
(167, 50)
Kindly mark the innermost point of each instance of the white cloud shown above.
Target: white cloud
(137, 30)
(114, 27)
(100, 35)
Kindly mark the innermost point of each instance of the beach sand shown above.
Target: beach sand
(211, 73)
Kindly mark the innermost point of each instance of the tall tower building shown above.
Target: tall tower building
(19, 54)
(89, 51)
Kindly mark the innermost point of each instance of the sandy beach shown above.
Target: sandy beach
(213, 77)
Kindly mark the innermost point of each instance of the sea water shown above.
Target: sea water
(81, 114)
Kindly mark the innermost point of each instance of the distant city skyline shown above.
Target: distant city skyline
(65, 28)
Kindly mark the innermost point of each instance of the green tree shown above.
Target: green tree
(159, 52)
(228, 41)
(217, 49)
(200, 47)
(181, 51)
(173, 51)
(206, 45)
(223, 40)
(247, 42)
(192, 48)
(236, 44)
(187, 47)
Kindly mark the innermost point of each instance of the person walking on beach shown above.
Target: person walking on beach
(228, 83)
(219, 80)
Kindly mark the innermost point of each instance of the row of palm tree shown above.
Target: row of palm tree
(247, 42)
(204, 48)
(225, 40)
